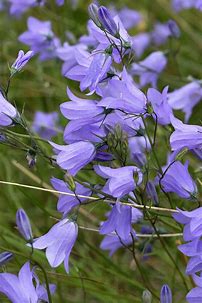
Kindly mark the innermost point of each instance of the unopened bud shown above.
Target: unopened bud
(146, 296)
(5, 257)
(166, 294)
(107, 21)
(93, 13)
(24, 225)
(174, 29)
(21, 61)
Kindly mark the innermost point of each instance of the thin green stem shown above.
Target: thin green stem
(146, 283)
(156, 159)
(169, 254)
(46, 281)
(8, 86)
(152, 147)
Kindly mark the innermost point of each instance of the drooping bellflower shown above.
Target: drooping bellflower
(150, 68)
(185, 98)
(46, 124)
(24, 288)
(192, 233)
(178, 180)
(124, 95)
(113, 242)
(58, 242)
(121, 180)
(140, 43)
(120, 220)
(160, 106)
(185, 135)
(74, 156)
(162, 31)
(40, 38)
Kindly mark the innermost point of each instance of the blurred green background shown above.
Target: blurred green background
(94, 277)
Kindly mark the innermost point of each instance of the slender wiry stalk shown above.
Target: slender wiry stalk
(46, 281)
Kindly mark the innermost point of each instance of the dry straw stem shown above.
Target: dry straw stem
(46, 187)
(138, 235)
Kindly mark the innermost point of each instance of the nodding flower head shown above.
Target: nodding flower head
(24, 225)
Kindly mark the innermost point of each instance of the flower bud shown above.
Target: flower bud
(23, 224)
(107, 21)
(93, 13)
(174, 29)
(5, 257)
(21, 61)
(166, 294)
(146, 296)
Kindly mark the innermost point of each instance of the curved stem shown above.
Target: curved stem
(8, 86)
(156, 159)
(170, 256)
(46, 281)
